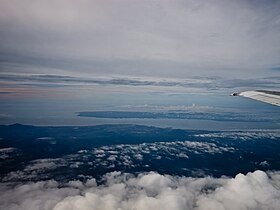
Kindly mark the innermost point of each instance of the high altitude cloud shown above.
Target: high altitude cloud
(191, 82)
(150, 37)
(10, 83)
(256, 190)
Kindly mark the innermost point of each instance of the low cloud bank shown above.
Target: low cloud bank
(257, 190)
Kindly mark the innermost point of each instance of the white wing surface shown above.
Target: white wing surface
(267, 96)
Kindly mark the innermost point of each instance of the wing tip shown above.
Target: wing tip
(235, 94)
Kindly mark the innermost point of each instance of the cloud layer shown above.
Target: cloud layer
(203, 45)
(126, 156)
(155, 38)
(257, 190)
(12, 83)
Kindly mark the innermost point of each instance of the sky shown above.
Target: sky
(181, 45)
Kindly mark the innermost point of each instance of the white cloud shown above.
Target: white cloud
(6, 152)
(7, 149)
(132, 155)
(264, 163)
(35, 168)
(257, 190)
(244, 135)
(44, 164)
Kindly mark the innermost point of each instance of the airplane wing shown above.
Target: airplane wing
(267, 96)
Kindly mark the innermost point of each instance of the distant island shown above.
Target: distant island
(171, 115)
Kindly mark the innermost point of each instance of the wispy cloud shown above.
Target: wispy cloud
(210, 84)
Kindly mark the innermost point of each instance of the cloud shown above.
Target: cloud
(36, 169)
(131, 154)
(114, 157)
(243, 135)
(155, 38)
(44, 164)
(10, 83)
(7, 150)
(6, 153)
(257, 190)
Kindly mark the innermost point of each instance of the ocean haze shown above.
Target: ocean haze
(195, 111)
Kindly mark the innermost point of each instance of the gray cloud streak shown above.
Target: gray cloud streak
(205, 83)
